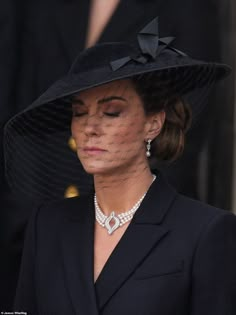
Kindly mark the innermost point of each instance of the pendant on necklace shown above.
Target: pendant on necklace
(111, 229)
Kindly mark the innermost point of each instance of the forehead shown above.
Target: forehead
(123, 88)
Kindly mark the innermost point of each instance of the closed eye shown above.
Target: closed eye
(76, 114)
(114, 114)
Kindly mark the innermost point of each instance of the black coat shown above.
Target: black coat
(177, 257)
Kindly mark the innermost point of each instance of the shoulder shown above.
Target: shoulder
(198, 216)
(60, 209)
(50, 220)
(197, 208)
(202, 233)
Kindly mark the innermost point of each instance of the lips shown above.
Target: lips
(93, 149)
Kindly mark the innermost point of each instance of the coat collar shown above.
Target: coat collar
(156, 203)
(143, 233)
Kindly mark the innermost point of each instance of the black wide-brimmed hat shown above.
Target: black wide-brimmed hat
(107, 62)
(36, 150)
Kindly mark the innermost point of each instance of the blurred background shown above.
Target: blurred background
(38, 42)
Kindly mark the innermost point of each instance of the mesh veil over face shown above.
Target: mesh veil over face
(39, 160)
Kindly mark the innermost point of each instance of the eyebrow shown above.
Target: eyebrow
(111, 98)
(101, 101)
(77, 101)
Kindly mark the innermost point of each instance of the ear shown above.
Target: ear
(154, 124)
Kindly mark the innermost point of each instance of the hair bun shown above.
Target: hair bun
(170, 143)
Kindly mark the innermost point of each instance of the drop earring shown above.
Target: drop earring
(148, 146)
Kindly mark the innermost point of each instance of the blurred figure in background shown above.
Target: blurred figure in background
(43, 38)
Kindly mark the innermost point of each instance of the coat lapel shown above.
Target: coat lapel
(77, 245)
(142, 235)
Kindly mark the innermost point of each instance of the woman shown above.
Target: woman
(134, 245)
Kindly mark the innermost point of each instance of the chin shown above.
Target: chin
(98, 169)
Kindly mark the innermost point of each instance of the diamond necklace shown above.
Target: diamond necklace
(118, 219)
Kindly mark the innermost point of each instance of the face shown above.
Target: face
(110, 127)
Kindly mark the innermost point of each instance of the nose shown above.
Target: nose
(92, 125)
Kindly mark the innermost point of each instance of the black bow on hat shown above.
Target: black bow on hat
(150, 45)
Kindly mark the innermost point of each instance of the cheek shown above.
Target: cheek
(75, 129)
(72, 127)
(127, 137)
(132, 129)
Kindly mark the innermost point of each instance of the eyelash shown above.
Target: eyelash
(114, 114)
(78, 114)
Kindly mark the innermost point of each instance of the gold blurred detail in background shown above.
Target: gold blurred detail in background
(71, 144)
(71, 191)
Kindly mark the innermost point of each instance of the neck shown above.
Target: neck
(120, 192)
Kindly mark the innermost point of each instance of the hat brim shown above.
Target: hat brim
(184, 75)
(188, 75)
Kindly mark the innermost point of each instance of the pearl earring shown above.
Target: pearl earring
(148, 146)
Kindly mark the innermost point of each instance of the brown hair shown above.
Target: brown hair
(158, 94)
